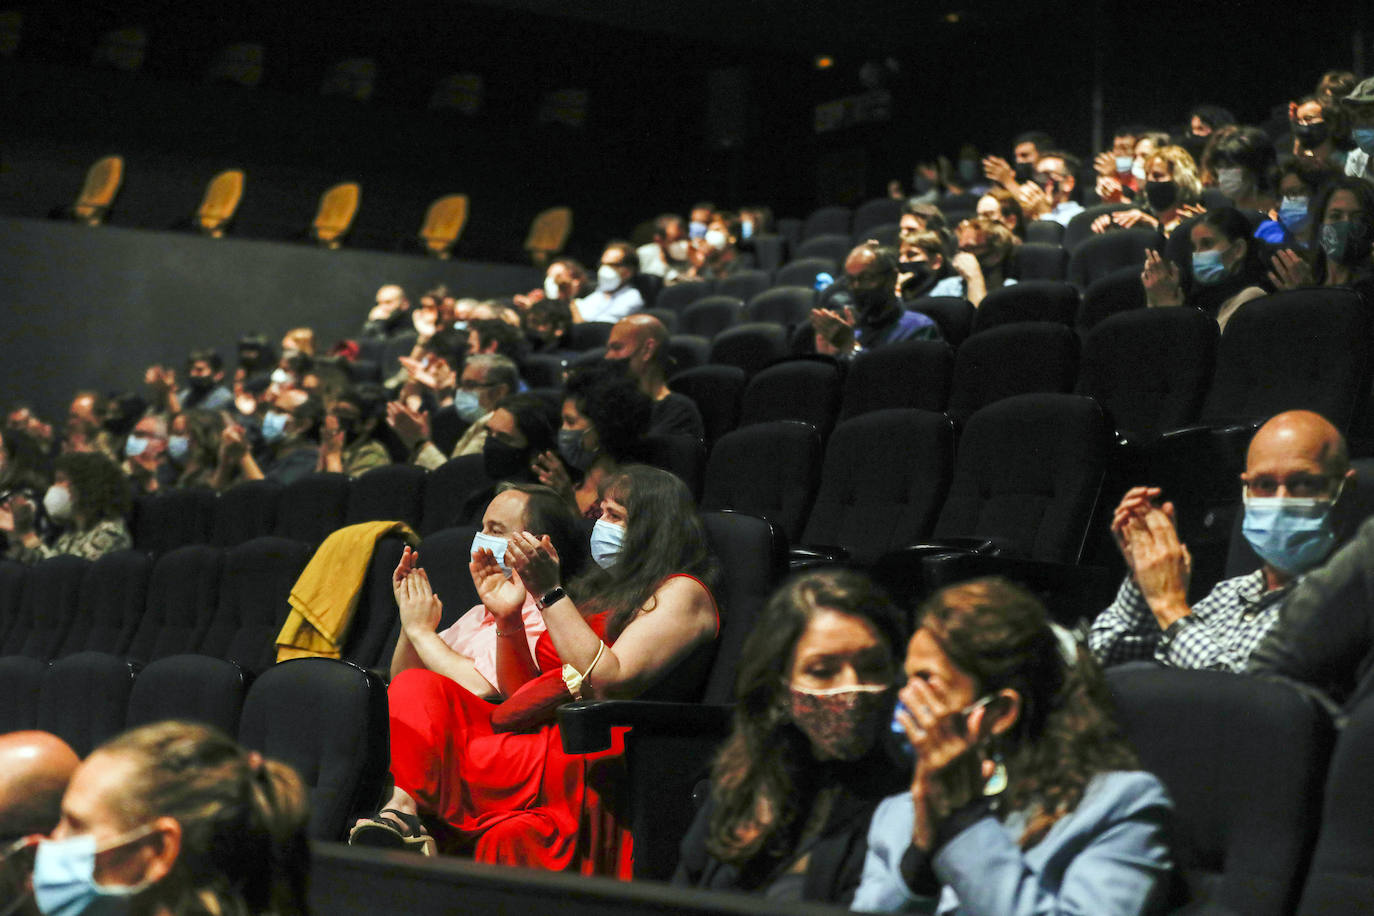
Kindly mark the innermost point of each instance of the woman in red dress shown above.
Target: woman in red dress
(494, 780)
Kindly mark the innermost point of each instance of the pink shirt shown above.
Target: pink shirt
(474, 635)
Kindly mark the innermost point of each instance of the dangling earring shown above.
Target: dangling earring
(996, 783)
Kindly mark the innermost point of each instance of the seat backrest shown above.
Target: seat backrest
(953, 315)
(366, 642)
(549, 230)
(1340, 879)
(98, 193)
(1118, 291)
(392, 492)
(1028, 472)
(1149, 368)
(875, 212)
(444, 223)
(1079, 227)
(338, 207)
(255, 588)
(1044, 232)
(1009, 360)
(680, 295)
(1030, 300)
(803, 272)
(882, 233)
(1099, 255)
(710, 315)
(84, 699)
(245, 511)
(221, 202)
(744, 285)
(1243, 760)
(313, 507)
(47, 606)
(908, 373)
(753, 562)
(827, 220)
(885, 476)
(750, 346)
(801, 389)
(448, 489)
(784, 305)
(173, 518)
(328, 720)
(182, 594)
(11, 594)
(832, 246)
(191, 687)
(769, 470)
(688, 351)
(1299, 349)
(21, 681)
(1040, 262)
(114, 592)
(681, 455)
(589, 335)
(717, 392)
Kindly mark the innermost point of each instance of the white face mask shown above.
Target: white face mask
(1138, 170)
(1231, 181)
(58, 503)
(717, 239)
(677, 251)
(550, 288)
(607, 279)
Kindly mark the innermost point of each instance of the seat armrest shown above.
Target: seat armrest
(1070, 593)
(810, 556)
(586, 724)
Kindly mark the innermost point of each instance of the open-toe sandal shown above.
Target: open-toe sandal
(392, 829)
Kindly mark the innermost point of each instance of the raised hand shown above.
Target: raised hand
(534, 560)
(1105, 164)
(503, 596)
(411, 425)
(949, 773)
(1160, 279)
(998, 171)
(419, 607)
(1290, 270)
(1161, 565)
(548, 467)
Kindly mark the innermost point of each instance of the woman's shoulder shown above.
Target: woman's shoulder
(688, 587)
(1124, 793)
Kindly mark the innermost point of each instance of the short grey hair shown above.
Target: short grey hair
(496, 369)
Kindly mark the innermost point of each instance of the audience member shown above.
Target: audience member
(388, 316)
(1001, 206)
(666, 255)
(23, 464)
(810, 755)
(88, 501)
(146, 455)
(1359, 111)
(177, 818)
(547, 325)
(255, 357)
(1026, 797)
(715, 255)
(1342, 218)
(493, 336)
(925, 271)
(85, 430)
(640, 344)
(1172, 192)
(992, 247)
(487, 380)
(1227, 270)
(1116, 164)
(1297, 480)
(1111, 190)
(1320, 134)
(291, 440)
(1290, 224)
(605, 417)
(35, 768)
(862, 311)
(1050, 194)
(699, 218)
(470, 651)
(1240, 163)
(522, 427)
(615, 295)
(1027, 150)
(640, 622)
(347, 444)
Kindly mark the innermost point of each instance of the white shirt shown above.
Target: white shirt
(600, 306)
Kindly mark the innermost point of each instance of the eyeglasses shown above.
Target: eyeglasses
(1303, 486)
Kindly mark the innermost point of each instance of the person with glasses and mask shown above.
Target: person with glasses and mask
(1297, 488)
(486, 380)
(862, 311)
(1024, 798)
(1341, 218)
(615, 295)
(810, 754)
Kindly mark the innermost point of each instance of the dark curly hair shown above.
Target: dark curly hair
(755, 775)
(616, 408)
(999, 635)
(99, 488)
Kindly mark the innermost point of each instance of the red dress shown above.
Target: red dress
(514, 798)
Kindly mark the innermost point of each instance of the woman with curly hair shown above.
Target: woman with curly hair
(795, 785)
(88, 499)
(1171, 192)
(1025, 797)
(605, 417)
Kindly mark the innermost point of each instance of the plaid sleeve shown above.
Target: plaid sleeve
(1126, 631)
(1219, 635)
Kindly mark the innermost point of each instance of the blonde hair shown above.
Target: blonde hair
(302, 339)
(1182, 169)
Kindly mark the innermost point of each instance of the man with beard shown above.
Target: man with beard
(862, 311)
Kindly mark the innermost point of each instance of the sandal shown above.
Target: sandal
(392, 829)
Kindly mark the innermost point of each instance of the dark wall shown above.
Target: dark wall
(93, 307)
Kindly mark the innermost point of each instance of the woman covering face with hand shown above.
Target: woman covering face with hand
(1024, 796)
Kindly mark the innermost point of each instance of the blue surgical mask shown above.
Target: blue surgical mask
(1124, 163)
(64, 878)
(274, 426)
(135, 446)
(746, 230)
(178, 447)
(696, 229)
(1293, 213)
(496, 545)
(1208, 268)
(607, 540)
(468, 405)
(1363, 137)
(1290, 533)
(572, 447)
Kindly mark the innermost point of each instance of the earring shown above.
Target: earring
(996, 783)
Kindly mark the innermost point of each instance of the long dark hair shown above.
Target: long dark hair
(99, 489)
(999, 635)
(754, 779)
(663, 535)
(1316, 212)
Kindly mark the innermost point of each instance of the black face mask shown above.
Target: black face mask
(1161, 195)
(1024, 171)
(1311, 135)
(870, 302)
(201, 382)
(502, 461)
(920, 270)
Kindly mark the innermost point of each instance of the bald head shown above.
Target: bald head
(641, 340)
(35, 768)
(1298, 438)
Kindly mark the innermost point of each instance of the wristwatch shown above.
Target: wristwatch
(551, 596)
